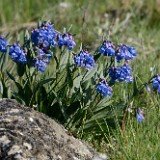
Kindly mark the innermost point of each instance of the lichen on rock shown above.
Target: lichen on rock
(26, 134)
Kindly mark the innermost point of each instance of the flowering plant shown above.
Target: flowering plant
(63, 83)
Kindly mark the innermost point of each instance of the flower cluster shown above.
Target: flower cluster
(121, 73)
(42, 39)
(44, 36)
(66, 40)
(107, 48)
(17, 53)
(84, 59)
(103, 88)
(3, 44)
(42, 59)
(123, 52)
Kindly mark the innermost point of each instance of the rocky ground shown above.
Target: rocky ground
(26, 134)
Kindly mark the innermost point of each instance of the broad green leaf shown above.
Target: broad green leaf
(42, 82)
(90, 74)
(76, 83)
(104, 102)
(10, 76)
(21, 68)
(135, 87)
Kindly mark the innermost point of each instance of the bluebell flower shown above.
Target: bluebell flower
(42, 59)
(43, 52)
(40, 64)
(147, 88)
(44, 36)
(103, 88)
(125, 52)
(40, 51)
(66, 40)
(84, 59)
(107, 48)
(121, 73)
(3, 44)
(139, 115)
(17, 53)
(156, 83)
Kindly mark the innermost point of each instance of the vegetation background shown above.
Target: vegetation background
(132, 22)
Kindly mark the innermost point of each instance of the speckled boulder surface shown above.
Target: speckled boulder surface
(29, 135)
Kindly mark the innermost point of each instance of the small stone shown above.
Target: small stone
(29, 147)
(18, 156)
(59, 157)
(75, 158)
(31, 119)
(4, 140)
(15, 149)
(14, 111)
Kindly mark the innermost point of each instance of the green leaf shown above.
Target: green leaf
(1, 60)
(10, 76)
(42, 82)
(104, 102)
(96, 57)
(4, 62)
(135, 87)
(26, 36)
(1, 88)
(90, 74)
(64, 61)
(21, 68)
(56, 59)
(60, 104)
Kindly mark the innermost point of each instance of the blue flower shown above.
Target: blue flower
(83, 59)
(125, 52)
(17, 53)
(103, 88)
(121, 74)
(44, 36)
(66, 40)
(3, 44)
(156, 83)
(139, 115)
(42, 59)
(43, 52)
(40, 64)
(147, 88)
(107, 48)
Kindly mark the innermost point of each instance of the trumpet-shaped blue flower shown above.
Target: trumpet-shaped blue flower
(139, 115)
(66, 40)
(107, 48)
(43, 52)
(3, 44)
(44, 36)
(121, 74)
(147, 88)
(40, 64)
(125, 52)
(42, 59)
(83, 59)
(103, 88)
(17, 53)
(156, 83)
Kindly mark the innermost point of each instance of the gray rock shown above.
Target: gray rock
(26, 134)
